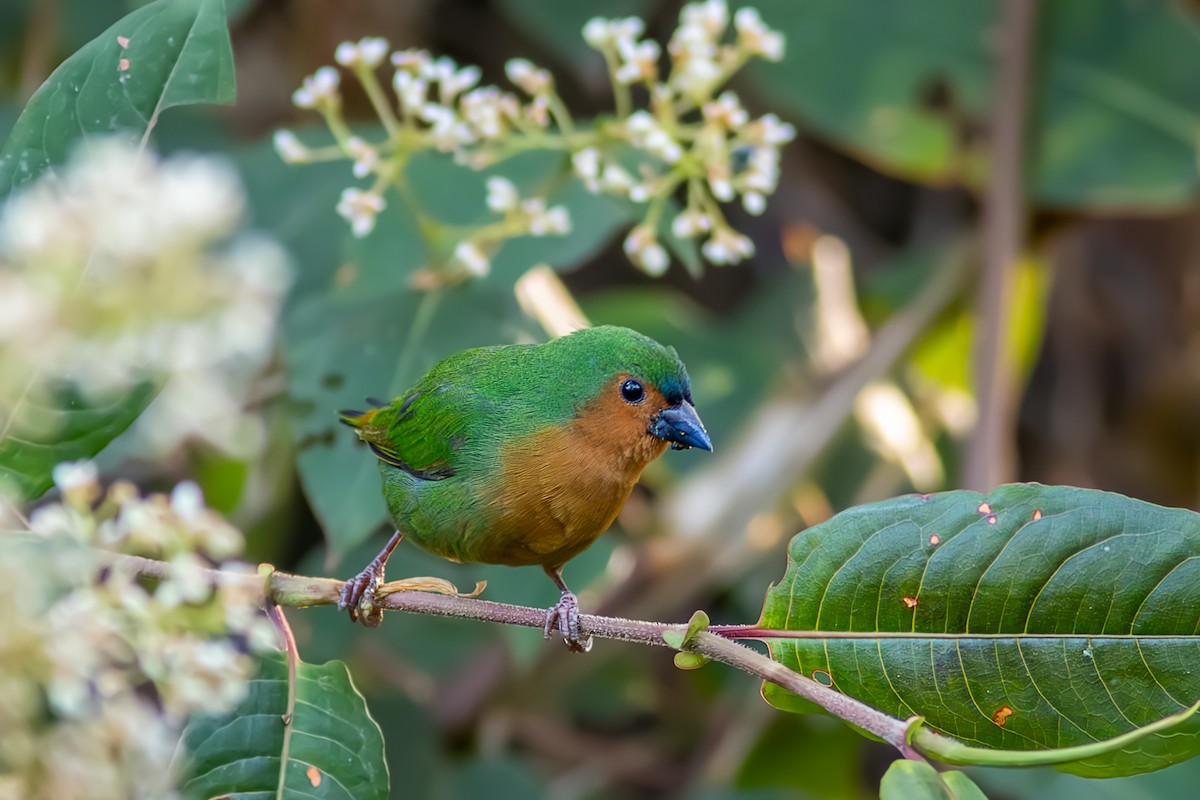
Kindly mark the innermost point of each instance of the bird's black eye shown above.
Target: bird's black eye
(632, 391)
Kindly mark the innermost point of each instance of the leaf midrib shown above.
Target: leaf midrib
(773, 634)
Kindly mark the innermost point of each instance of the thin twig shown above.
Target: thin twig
(989, 460)
(275, 613)
(284, 589)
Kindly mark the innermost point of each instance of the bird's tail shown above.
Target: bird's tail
(356, 419)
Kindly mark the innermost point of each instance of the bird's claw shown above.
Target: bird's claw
(358, 596)
(564, 616)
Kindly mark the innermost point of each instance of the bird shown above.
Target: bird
(523, 454)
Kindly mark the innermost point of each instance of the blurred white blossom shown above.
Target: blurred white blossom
(501, 194)
(360, 209)
(289, 147)
(121, 664)
(126, 268)
(319, 90)
(530, 79)
(643, 249)
(470, 256)
(368, 52)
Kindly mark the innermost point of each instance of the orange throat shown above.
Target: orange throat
(563, 486)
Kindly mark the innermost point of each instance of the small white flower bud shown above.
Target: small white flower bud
(289, 147)
(470, 256)
(319, 88)
(501, 194)
(359, 208)
(643, 249)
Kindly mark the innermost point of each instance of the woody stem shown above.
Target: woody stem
(287, 590)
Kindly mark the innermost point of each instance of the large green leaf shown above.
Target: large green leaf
(1033, 618)
(334, 748)
(168, 53)
(909, 87)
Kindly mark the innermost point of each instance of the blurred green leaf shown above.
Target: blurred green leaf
(65, 426)
(1034, 784)
(334, 750)
(495, 779)
(943, 355)
(1034, 618)
(961, 786)
(909, 88)
(811, 754)
(175, 52)
(917, 780)
(912, 780)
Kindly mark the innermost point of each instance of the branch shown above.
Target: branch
(990, 458)
(282, 589)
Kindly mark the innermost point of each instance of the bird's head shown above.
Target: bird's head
(642, 391)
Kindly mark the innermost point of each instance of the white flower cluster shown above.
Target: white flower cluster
(694, 137)
(120, 664)
(438, 104)
(720, 156)
(110, 275)
(521, 217)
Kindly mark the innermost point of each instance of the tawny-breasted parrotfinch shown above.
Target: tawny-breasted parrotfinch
(524, 454)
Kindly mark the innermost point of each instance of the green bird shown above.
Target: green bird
(524, 454)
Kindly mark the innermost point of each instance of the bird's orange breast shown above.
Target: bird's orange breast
(563, 486)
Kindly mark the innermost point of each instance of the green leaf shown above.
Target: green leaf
(918, 780)
(961, 786)
(178, 53)
(914, 86)
(1030, 620)
(165, 54)
(63, 426)
(334, 748)
(684, 660)
(911, 780)
(678, 639)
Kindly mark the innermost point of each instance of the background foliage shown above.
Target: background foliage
(879, 194)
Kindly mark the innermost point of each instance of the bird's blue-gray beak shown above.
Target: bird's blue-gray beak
(681, 426)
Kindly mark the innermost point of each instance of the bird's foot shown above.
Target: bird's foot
(358, 595)
(565, 617)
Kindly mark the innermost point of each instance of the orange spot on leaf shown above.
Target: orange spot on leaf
(910, 602)
(1002, 714)
(1037, 514)
(984, 507)
(822, 677)
(935, 540)
(314, 776)
(991, 519)
(123, 41)
(123, 65)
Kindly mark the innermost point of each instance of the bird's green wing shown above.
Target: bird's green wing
(420, 432)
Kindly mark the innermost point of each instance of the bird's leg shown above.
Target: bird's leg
(365, 583)
(565, 616)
